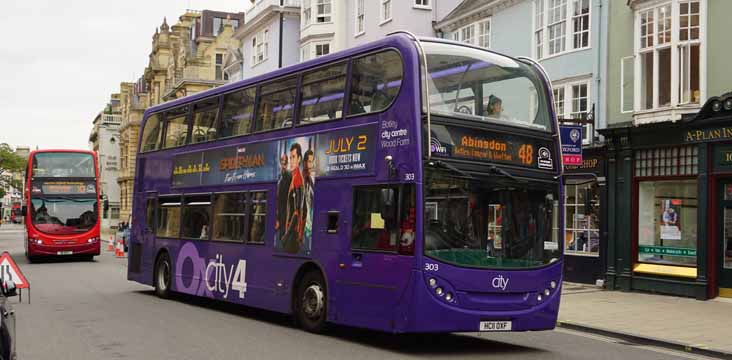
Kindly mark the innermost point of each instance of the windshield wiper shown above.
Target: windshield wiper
(452, 168)
(496, 170)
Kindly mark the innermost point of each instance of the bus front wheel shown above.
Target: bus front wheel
(312, 302)
(162, 276)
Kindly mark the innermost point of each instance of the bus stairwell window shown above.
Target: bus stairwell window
(375, 82)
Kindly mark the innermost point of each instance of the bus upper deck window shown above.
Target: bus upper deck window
(204, 120)
(237, 114)
(375, 82)
(176, 127)
(151, 134)
(322, 94)
(276, 104)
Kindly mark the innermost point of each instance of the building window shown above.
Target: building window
(675, 161)
(667, 222)
(219, 67)
(423, 4)
(385, 10)
(477, 33)
(305, 52)
(322, 49)
(668, 61)
(553, 26)
(582, 218)
(360, 17)
(260, 47)
(218, 26)
(323, 11)
(306, 12)
(572, 101)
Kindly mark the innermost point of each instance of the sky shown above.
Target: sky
(61, 60)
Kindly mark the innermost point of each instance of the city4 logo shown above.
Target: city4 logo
(209, 277)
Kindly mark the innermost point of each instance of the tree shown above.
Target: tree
(10, 164)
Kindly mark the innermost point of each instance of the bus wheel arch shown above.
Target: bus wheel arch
(162, 259)
(310, 281)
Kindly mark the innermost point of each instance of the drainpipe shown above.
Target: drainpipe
(282, 19)
(600, 69)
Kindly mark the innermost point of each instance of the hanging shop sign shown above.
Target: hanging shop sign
(571, 136)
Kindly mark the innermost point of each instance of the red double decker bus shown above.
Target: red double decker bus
(62, 204)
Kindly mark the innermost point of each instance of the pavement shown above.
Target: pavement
(700, 327)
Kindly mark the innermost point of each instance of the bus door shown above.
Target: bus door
(375, 270)
(145, 241)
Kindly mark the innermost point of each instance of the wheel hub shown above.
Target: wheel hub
(312, 301)
(163, 276)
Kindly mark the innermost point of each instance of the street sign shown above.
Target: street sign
(9, 270)
(571, 136)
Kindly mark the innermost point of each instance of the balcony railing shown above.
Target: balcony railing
(263, 5)
(111, 119)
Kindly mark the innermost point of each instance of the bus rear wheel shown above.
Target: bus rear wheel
(312, 300)
(163, 276)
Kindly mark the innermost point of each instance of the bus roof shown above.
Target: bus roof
(400, 40)
(62, 151)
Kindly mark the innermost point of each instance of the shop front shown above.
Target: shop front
(669, 206)
(585, 233)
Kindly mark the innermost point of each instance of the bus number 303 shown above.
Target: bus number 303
(431, 267)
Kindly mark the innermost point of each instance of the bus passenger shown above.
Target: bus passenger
(495, 107)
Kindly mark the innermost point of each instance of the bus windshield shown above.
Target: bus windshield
(490, 222)
(63, 164)
(480, 85)
(64, 215)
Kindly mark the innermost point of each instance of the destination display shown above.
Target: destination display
(63, 187)
(471, 144)
(336, 153)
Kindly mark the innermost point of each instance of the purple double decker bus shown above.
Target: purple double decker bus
(406, 185)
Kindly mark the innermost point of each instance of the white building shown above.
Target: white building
(270, 37)
(104, 139)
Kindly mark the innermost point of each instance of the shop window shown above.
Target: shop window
(582, 218)
(667, 222)
(672, 161)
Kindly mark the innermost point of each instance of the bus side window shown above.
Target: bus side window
(375, 82)
(196, 217)
(322, 94)
(176, 127)
(150, 214)
(257, 217)
(150, 134)
(370, 230)
(168, 218)
(276, 104)
(238, 113)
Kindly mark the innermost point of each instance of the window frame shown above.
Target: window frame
(242, 239)
(351, 61)
(399, 188)
(260, 42)
(567, 88)
(675, 45)
(383, 6)
(327, 16)
(422, 4)
(541, 31)
(475, 28)
(360, 17)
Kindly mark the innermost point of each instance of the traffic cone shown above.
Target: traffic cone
(110, 245)
(119, 252)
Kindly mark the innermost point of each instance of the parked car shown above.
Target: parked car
(7, 322)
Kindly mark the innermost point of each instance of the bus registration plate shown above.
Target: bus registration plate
(64, 252)
(495, 326)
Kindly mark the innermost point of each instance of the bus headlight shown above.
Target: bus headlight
(448, 297)
(433, 282)
(39, 241)
(439, 291)
(553, 284)
(538, 297)
(547, 292)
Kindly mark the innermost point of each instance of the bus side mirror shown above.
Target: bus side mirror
(388, 208)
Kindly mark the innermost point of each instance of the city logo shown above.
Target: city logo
(499, 282)
(545, 159)
(436, 147)
(575, 135)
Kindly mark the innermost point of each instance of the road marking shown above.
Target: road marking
(680, 354)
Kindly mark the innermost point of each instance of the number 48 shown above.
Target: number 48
(526, 154)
